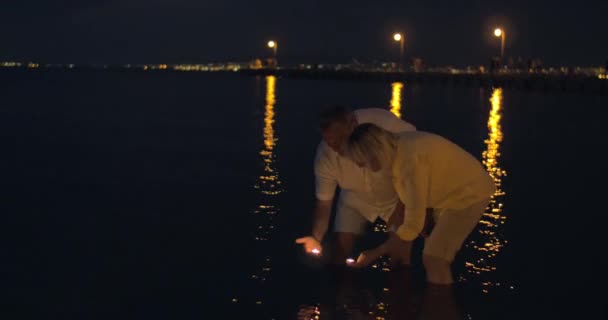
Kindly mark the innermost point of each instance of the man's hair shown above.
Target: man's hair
(332, 114)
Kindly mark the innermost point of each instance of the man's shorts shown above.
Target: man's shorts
(349, 220)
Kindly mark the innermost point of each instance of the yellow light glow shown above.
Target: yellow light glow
(492, 218)
(498, 32)
(397, 37)
(271, 44)
(269, 140)
(492, 153)
(380, 226)
(268, 185)
(396, 99)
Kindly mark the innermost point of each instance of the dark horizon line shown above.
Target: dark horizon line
(362, 61)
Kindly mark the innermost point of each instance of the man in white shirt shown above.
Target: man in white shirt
(364, 195)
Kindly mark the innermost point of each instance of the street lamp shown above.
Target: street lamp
(399, 38)
(501, 34)
(273, 45)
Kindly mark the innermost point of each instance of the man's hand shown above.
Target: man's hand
(311, 245)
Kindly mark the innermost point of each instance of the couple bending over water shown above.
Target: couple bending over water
(419, 183)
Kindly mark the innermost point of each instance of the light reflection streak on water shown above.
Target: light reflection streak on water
(397, 89)
(489, 242)
(380, 226)
(269, 187)
(381, 309)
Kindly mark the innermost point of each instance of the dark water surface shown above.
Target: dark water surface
(178, 196)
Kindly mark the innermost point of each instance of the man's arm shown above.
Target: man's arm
(325, 190)
(325, 185)
(385, 119)
(320, 222)
(398, 125)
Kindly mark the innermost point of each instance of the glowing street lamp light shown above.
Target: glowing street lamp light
(498, 32)
(400, 38)
(273, 45)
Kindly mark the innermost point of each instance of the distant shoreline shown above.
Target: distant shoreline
(533, 81)
(581, 82)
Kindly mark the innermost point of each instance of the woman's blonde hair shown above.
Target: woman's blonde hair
(368, 141)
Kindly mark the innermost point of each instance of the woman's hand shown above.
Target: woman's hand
(396, 248)
(367, 257)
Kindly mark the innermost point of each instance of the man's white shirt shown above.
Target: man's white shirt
(370, 193)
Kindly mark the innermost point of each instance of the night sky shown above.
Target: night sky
(441, 32)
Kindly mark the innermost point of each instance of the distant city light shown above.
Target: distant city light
(271, 44)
